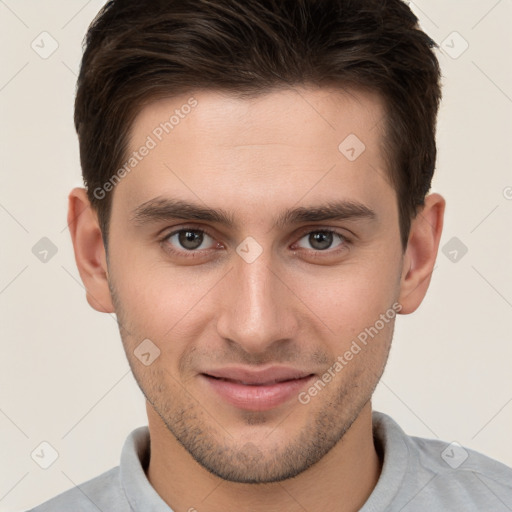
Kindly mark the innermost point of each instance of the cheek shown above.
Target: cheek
(160, 302)
(172, 304)
(351, 297)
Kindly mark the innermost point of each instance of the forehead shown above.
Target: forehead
(228, 120)
(289, 145)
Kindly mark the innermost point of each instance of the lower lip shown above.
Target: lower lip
(257, 398)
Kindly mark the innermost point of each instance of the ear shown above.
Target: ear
(90, 255)
(421, 253)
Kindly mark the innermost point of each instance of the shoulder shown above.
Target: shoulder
(115, 489)
(440, 475)
(463, 472)
(103, 492)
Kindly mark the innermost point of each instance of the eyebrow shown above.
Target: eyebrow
(165, 209)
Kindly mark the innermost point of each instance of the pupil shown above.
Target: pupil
(190, 239)
(320, 240)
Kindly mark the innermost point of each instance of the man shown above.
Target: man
(256, 215)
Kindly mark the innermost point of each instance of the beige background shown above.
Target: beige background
(64, 377)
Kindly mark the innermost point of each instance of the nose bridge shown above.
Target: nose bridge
(257, 309)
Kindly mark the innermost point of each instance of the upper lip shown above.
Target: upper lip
(266, 376)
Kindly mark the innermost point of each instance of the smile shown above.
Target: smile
(257, 392)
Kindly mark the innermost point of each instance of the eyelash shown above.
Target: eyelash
(198, 253)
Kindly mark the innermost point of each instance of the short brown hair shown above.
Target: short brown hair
(137, 51)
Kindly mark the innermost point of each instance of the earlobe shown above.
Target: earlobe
(89, 250)
(421, 253)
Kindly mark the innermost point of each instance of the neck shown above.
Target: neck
(341, 481)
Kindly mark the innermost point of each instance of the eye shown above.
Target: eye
(188, 240)
(322, 240)
(191, 242)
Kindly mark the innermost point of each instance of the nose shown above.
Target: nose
(259, 309)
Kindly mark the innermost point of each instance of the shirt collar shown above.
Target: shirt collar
(389, 439)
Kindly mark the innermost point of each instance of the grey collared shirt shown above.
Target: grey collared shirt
(417, 475)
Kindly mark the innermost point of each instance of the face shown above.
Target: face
(255, 246)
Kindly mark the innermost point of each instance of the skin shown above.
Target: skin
(296, 304)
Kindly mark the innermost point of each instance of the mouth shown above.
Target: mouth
(256, 391)
(266, 383)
